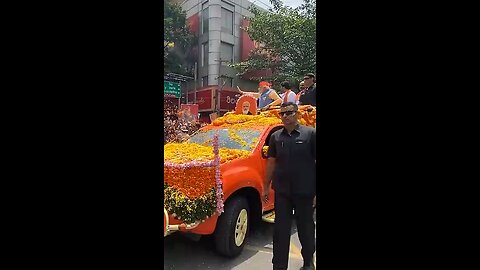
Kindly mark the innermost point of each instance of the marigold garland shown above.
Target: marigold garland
(180, 153)
(193, 170)
(192, 182)
(308, 114)
(307, 117)
(245, 121)
(187, 209)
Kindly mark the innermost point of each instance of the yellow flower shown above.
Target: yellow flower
(265, 150)
(307, 116)
(186, 152)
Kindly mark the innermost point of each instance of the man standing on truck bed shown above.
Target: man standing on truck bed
(287, 94)
(266, 96)
(291, 165)
(308, 96)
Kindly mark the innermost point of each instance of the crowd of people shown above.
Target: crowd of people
(175, 128)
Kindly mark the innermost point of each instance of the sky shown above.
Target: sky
(293, 3)
(290, 3)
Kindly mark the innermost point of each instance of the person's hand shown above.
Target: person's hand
(314, 201)
(265, 193)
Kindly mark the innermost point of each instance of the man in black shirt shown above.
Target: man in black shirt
(291, 165)
(309, 95)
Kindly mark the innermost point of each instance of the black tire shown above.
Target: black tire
(226, 225)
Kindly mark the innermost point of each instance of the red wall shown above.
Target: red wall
(204, 99)
(246, 47)
(194, 23)
(228, 99)
(246, 44)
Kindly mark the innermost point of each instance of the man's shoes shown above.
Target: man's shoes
(309, 267)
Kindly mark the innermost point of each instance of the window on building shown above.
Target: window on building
(205, 54)
(227, 21)
(205, 81)
(205, 18)
(226, 53)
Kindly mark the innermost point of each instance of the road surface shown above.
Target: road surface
(182, 252)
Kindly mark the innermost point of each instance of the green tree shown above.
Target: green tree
(177, 39)
(288, 39)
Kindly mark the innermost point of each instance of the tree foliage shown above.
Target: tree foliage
(177, 39)
(288, 41)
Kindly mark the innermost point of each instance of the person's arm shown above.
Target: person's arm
(272, 153)
(253, 94)
(269, 172)
(276, 98)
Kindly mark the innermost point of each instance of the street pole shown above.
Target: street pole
(218, 89)
(195, 84)
(186, 92)
(220, 85)
(218, 100)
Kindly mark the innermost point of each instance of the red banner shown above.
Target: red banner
(206, 97)
(204, 100)
(228, 100)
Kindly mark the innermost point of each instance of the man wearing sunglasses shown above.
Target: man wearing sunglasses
(291, 165)
(308, 96)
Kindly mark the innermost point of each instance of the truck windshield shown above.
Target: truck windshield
(241, 139)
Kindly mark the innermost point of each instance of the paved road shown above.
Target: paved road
(186, 253)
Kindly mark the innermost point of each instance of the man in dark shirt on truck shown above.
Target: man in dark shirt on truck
(291, 165)
(308, 96)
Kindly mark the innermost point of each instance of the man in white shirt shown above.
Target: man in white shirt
(287, 95)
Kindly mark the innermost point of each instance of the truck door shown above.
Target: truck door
(270, 204)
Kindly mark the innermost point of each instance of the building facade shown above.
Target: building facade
(220, 41)
(217, 23)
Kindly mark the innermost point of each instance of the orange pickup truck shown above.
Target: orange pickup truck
(196, 202)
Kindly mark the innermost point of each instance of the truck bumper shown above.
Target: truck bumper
(171, 228)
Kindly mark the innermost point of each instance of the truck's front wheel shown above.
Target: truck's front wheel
(232, 227)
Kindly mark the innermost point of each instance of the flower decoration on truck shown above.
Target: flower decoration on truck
(192, 179)
(307, 116)
(193, 189)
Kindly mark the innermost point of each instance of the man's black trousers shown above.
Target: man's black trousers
(284, 205)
